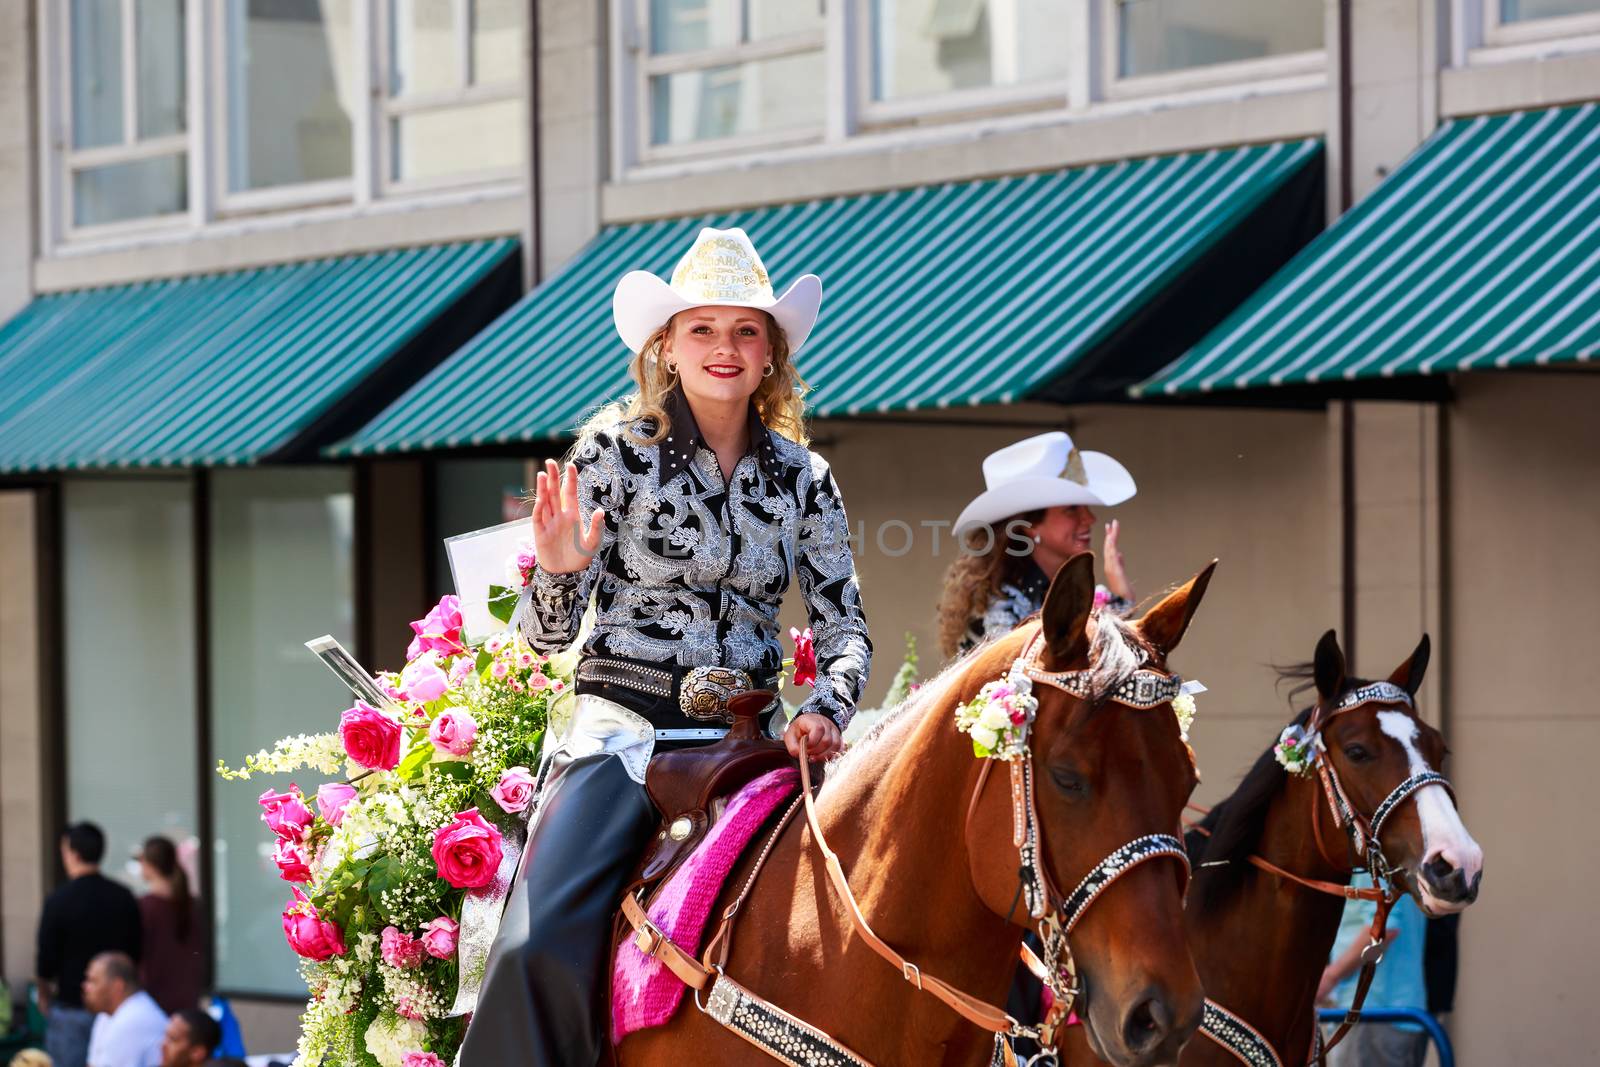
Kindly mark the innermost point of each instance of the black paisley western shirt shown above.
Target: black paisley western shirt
(691, 568)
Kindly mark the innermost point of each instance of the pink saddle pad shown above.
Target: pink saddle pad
(644, 993)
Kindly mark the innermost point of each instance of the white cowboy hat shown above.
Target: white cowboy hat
(1044, 472)
(722, 269)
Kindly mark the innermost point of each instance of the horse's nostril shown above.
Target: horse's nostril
(1147, 1023)
(1438, 869)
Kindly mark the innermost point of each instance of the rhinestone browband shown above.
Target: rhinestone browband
(1144, 688)
(1375, 693)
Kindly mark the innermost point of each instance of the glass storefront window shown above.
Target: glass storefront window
(281, 574)
(928, 47)
(1157, 36)
(739, 98)
(471, 494)
(497, 41)
(1524, 10)
(422, 46)
(293, 87)
(129, 599)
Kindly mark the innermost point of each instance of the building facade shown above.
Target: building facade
(155, 601)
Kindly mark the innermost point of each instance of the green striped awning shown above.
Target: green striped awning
(1481, 251)
(957, 294)
(214, 369)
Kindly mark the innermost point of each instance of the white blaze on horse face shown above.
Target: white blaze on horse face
(1443, 834)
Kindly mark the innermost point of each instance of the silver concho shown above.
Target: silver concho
(704, 692)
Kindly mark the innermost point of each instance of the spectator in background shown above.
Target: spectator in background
(31, 1057)
(192, 1036)
(88, 915)
(172, 968)
(130, 1025)
(1396, 984)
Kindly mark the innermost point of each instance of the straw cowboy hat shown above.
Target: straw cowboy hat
(1044, 472)
(722, 269)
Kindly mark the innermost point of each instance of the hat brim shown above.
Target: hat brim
(1109, 484)
(643, 303)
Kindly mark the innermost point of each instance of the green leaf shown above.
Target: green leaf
(411, 766)
(460, 770)
(502, 602)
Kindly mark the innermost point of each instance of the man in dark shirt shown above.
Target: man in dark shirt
(88, 915)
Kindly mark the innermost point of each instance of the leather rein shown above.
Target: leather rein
(1229, 1030)
(1056, 914)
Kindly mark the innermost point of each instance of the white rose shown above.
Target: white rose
(995, 717)
(985, 737)
(390, 1037)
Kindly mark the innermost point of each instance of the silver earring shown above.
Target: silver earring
(766, 372)
(1037, 539)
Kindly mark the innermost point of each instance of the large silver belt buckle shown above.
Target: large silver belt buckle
(704, 692)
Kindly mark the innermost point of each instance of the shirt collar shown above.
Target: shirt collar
(677, 450)
(1033, 582)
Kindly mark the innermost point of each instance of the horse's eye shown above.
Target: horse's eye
(1070, 782)
(1357, 753)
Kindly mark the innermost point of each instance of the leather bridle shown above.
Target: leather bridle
(1364, 835)
(1055, 913)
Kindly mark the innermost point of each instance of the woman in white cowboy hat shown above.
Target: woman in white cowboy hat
(1034, 514)
(686, 511)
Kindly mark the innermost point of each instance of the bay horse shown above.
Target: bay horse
(1261, 937)
(925, 837)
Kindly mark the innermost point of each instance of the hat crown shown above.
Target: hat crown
(1049, 455)
(722, 266)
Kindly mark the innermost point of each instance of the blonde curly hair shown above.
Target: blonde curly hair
(974, 579)
(779, 399)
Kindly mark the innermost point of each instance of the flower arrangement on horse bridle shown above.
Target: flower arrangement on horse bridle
(427, 826)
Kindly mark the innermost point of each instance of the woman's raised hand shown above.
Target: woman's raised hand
(1116, 569)
(562, 539)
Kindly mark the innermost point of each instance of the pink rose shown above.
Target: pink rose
(408, 1010)
(461, 670)
(537, 681)
(467, 851)
(439, 630)
(286, 814)
(308, 933)
(401, 949)
(422, 1059)
(500, 669)
(439, 937)
(514, 791)
(371, 738)
(332, 799)
(292, 862)
(454, 732)
(423, 680)
(1018, 717)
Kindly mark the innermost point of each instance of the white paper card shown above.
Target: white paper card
(477, 561)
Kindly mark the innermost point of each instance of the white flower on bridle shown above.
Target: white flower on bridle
(997, 719)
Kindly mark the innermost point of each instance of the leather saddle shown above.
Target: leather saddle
(690, 786)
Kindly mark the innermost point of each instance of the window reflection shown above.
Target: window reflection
(926, 47)
(1523, 10)
(1155, 36)
(292, 89)
(740, 98)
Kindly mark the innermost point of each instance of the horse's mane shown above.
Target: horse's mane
(1236, 823)
(1117, 650)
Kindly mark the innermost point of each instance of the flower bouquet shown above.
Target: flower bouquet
(422, 820)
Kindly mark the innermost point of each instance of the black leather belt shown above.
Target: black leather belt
(700, 693)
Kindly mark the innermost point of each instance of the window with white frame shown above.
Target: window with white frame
(729, 70)
(932, 47)
(179, 113)
(125, 149)
(1528, 10)
(454, 98)
(1162, 36)
(716, 77)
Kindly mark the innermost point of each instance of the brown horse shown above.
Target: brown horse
(1260, 939)
(936, 871)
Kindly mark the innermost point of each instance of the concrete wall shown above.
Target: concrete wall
(17, 166)
(24, 853)
(573, 125)
(1524, 522)
(1249, 487)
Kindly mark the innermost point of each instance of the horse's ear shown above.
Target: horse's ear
(1066, 611)
(1408, 675)
(1327, 668)
(1164, 625)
